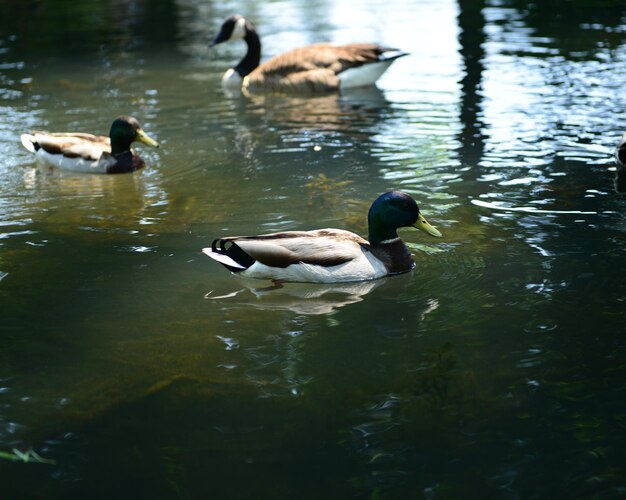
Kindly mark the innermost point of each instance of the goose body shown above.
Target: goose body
(321, 67)
(87, 153)
(328, 255)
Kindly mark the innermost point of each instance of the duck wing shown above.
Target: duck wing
(324, 247)
(70, 145)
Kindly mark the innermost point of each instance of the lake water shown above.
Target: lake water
(143, 369)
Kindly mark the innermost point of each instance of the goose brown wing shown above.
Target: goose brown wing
(357, 54)
(322, 55)
(316, 80)
(312, 68)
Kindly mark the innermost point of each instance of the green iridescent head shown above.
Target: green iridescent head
(124, 131)
(393, 210)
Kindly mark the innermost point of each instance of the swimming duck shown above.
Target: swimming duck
(620, 162)
(320, 67)
(87, 153)
(328, 255)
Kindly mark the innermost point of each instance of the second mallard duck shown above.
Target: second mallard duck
(328, 255)
(87, 153)
(320, 67)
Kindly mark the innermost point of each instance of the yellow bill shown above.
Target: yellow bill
(423, 225)
(146, 139)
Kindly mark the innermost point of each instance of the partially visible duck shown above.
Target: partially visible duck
(320, 67)
(87, 153)
(620, 162)
(328, 255)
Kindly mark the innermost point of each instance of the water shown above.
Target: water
(143, 369)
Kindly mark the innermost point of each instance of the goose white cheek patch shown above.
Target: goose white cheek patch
(239, 31)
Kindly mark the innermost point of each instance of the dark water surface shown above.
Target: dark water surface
(144, 370)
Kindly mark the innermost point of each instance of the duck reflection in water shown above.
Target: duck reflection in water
(620, 162)
(312, 299)
(300, 298)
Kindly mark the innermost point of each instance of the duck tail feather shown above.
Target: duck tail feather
(232, 256)
(392, 55)
(30, 142)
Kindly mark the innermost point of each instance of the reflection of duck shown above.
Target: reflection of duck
(328, 255)
(315, 68)
(87, 153)
(620, 161)
(306, 298)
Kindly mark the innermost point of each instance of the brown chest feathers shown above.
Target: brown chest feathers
(395, 255)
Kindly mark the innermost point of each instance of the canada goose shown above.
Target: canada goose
(320, 67)
(328, 255)
(87, 153)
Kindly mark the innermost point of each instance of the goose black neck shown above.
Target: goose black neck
(253, 56)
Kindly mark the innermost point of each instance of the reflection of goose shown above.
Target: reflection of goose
(316, 68)
(305, 298)
(620, 160)
(87, 153)
(321, 111)
(328, 255)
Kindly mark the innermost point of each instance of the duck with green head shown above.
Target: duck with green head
(87, 153)
(329, 255)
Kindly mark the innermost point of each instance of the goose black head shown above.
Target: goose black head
(234, 28)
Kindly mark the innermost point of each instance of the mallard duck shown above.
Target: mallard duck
(320, 67)
(79, 152)
(328, 255)
(620, 162)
